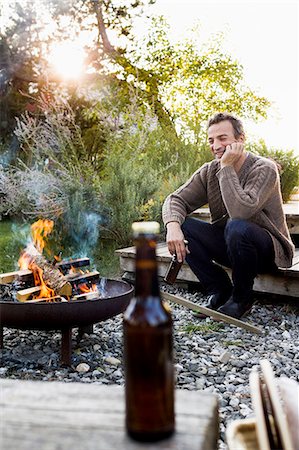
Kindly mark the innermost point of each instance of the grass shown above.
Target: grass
(203, 328)
(15, 236)
(236, 343)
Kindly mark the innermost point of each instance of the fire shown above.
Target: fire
(45, 291)
(39, 231)
(85, 288)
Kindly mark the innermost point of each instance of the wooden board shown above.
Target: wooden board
(9, 277)
(40, 415)
(279, 415)
(210, 312)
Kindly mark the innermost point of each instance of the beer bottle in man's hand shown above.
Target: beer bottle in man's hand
(148, 354)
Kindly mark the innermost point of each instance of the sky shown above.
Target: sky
(263, 37)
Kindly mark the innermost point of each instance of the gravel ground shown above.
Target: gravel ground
(209, 356)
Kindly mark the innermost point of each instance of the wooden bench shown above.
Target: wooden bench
(285, 282)
(41, 415)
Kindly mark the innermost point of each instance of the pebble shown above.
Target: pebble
(82, 368)
(113, 361)
(209, 360)
(225, 357)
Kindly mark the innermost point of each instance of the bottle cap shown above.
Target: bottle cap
(145, 228)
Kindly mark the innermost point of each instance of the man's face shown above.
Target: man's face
(219, 136)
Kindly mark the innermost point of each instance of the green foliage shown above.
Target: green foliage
(203, 327)
(195, 82)
(288, 164)
(13, 238)
(54, 178)
(128, 184)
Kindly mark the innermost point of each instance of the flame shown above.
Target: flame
(39, 231)
(45, 291)
(85, 288)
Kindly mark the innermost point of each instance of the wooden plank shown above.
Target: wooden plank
(25, 294)
(77, 278)
(9, 277)
(67, 264)
(86, 296)
(74, 416)
(210, 312)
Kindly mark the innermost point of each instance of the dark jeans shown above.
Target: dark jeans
(241, 245)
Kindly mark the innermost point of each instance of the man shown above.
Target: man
(248, 230)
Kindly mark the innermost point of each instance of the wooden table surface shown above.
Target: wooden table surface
(41, 415)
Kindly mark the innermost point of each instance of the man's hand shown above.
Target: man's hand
(175, 241)
(232, 155)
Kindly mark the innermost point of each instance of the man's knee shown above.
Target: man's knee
(236, 229)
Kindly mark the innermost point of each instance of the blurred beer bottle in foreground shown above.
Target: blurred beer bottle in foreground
(148, 353)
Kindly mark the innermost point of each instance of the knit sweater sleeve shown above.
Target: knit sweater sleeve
(243, 202)
(190, 196)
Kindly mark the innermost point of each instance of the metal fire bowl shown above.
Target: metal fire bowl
(79, 313)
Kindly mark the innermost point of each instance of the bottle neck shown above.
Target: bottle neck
(146, 282)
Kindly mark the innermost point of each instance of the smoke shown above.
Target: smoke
(85, 234)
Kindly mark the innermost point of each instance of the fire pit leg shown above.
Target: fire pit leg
(66, 346)
(88, 329)
(1, 337)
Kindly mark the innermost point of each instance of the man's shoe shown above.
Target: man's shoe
(236, 309)
(213, 301)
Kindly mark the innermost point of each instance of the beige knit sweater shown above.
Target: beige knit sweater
(252, 194)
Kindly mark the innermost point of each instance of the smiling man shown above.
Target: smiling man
(248, 230)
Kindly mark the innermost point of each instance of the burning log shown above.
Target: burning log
(53, 277)
(9, 277)
(83, 278)
(25, 294)
(86, 296)
(64, 266)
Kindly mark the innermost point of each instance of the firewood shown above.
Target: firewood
(86, 296)
(83, 278)
(53, 277)
(67, 264)
(9, 277)
(25, 294)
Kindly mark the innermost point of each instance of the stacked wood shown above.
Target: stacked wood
(9, 277)
(64, 266)
(86, 296)
(83, 278)
(53, 277)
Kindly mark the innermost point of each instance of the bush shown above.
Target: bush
(126, 188)
(289, 166)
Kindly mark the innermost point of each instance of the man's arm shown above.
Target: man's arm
(175, 240)
(178, 205)
(243, 202)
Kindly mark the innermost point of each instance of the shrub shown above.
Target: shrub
(289, 163)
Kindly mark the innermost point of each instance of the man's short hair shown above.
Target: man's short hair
(236, 123)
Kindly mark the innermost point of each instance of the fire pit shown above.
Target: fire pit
(66, 315)
(56, 295)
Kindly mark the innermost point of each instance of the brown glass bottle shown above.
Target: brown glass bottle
(148, 353)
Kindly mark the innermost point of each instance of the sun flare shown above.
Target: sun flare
(67, 59)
